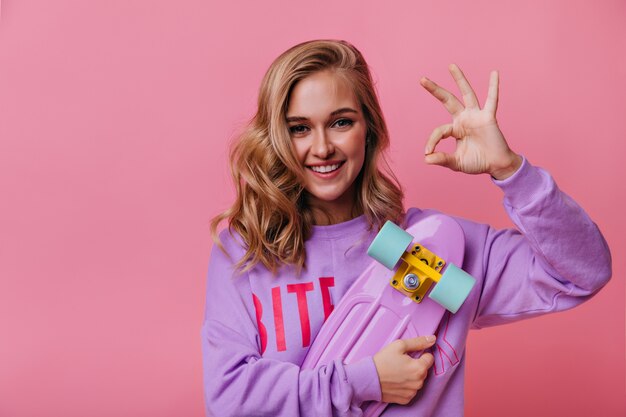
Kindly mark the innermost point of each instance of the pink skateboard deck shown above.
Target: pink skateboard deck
(373, 313)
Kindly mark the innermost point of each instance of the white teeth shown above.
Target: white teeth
(326, 168)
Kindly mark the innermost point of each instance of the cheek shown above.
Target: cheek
(299, 151)
(358, 150)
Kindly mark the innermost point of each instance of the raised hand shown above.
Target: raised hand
(480, 145)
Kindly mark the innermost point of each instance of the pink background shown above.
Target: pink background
(114, 122)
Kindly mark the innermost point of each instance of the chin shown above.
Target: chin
(334, 197)
(325, 198)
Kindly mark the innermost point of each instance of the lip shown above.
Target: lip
(326, 175)
(321, 164)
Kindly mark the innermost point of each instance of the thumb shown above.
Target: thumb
(441, 158)
(419, 343)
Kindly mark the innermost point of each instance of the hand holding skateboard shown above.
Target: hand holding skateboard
(480, 145)
(400, 375)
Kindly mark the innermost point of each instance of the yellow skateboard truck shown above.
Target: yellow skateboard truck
(419, 270)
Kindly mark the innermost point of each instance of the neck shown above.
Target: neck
(324, 218)
(332, 212)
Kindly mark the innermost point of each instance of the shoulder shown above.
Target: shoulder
(228, 249)
(232, 242)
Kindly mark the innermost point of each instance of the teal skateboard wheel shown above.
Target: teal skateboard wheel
(389, 244)
(453, 288)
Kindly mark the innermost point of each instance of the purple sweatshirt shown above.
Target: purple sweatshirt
(258, 327)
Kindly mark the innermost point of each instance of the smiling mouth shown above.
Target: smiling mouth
(325, 169)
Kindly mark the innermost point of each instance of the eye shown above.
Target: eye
(298, 129)
(343, 123)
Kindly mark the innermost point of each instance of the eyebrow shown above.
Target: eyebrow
(335, 113)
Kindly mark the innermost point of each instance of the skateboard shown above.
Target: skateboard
(382, 306)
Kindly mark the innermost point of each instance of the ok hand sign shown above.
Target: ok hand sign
(480, 145)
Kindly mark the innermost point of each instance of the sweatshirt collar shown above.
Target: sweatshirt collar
(344, 229)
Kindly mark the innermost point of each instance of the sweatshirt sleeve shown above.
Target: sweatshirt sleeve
(556, 259)
(238, 381)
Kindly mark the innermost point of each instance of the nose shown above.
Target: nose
(322, 147)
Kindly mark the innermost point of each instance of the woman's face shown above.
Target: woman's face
(328, 131)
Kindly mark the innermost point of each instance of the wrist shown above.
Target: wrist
(363, 376)
(508, 168)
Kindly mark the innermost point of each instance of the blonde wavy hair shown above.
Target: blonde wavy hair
(270, 212)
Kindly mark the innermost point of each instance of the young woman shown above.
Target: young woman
(312, 192)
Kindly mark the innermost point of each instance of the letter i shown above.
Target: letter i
(279, 325)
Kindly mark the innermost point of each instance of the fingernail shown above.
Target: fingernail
(426, 151)
(430, 338)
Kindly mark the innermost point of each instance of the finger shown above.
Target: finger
(450, 102)
(418, 343)
(491, 105)
(422, 364)
(418, 384)
(403, 397)
(427, 360)
(442, 159)
(469, 97)
(438, 133)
